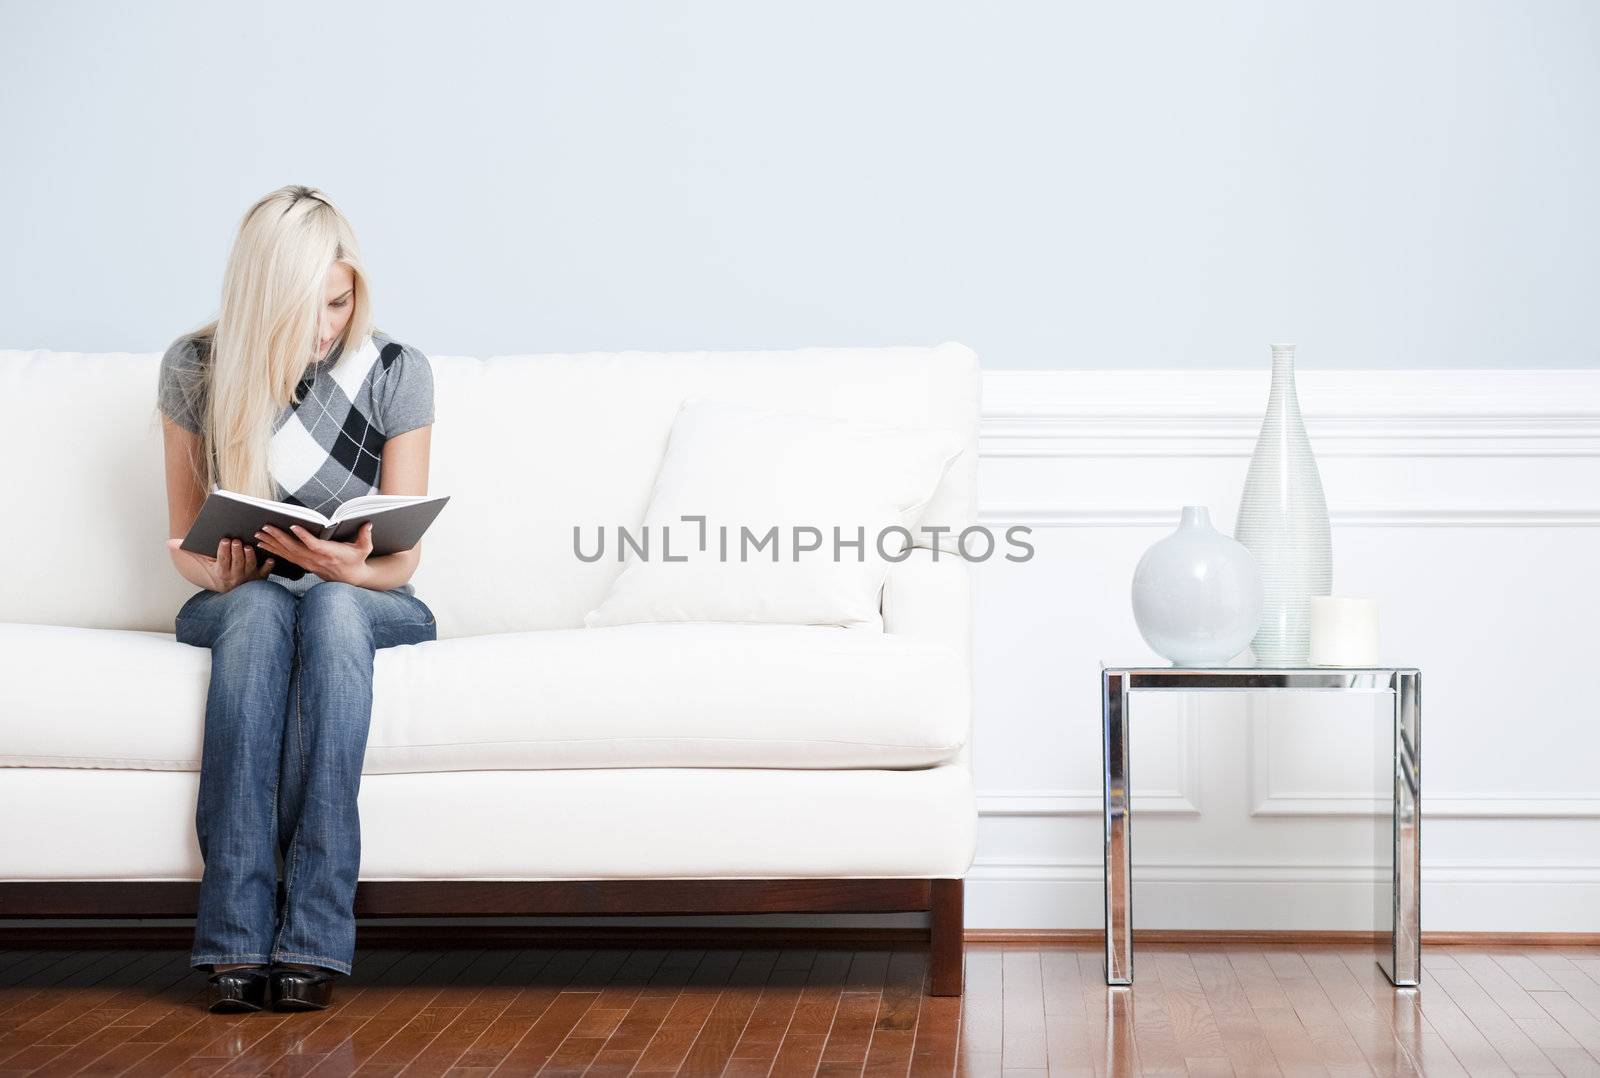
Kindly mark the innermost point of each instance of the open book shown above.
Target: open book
(398, 521)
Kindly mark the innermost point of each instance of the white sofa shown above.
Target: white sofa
(688, 768)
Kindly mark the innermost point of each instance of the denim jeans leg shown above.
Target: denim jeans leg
(340, 627)
(250, 631)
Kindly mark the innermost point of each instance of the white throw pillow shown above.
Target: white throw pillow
(748, 471)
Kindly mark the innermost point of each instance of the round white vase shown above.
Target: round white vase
(1197, 595)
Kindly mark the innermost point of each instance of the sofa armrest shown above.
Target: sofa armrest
(932, 600)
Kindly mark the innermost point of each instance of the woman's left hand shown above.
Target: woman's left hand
(329, 559)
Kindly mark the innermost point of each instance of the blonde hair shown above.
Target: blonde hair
(256, 350)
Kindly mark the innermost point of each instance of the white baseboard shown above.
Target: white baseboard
(1461, 897)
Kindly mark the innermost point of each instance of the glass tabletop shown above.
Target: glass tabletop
(1172, 668)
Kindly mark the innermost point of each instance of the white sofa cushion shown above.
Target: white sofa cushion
(666, 695)
(735, 476)
(616, 823)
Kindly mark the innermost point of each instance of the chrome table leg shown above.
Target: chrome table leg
(1402, 960)
(1119, 879)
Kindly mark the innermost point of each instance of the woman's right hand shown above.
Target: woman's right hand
(234, 564)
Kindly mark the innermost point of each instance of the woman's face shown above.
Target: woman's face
(338, 300)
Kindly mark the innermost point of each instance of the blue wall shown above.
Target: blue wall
(1147, 184)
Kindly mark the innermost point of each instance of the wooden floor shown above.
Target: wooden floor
(1197, 1009)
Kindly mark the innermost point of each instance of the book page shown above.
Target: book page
(301, 511)
(368, 502)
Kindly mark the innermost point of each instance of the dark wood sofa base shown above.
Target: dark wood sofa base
(941, 898)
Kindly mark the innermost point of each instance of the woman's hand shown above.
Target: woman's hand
(234, 564)
(330, 560)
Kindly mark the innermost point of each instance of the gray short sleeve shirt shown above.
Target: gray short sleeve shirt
(327, 443)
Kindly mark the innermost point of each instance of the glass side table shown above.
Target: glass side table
(1401, 958)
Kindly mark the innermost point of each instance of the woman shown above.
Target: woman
(291, 394)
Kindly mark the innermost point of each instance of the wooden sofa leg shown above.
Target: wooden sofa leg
(946, 946)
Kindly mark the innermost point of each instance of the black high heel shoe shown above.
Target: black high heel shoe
(233, 990)
(301, 989)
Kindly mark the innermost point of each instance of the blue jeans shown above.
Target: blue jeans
(287, 716)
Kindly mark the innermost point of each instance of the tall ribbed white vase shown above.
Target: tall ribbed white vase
(1283, 522)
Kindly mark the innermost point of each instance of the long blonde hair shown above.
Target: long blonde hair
(258, 348)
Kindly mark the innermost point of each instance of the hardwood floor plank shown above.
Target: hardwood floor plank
(650, 1007)
(800, 1055)
(713, 1046)
(273, 1029)
(1335, 1046)
(94, 1030)
(326, 1045)
(1068, 1047)
(58, 1024)
(1159, 1053)
(1194, 1026)
(1497, 1027)
(938, 1034)
(1589, 965)
(1501, 987)
(1109, 1014)
(1202, 1009)
(813, 1013)
(851, 1031)
(801, 1050)
(980, 1043)
(40, 1011)
(1549, 959)
(10, 958)
(490, 1001)
(1462, 1037)
(32, 974)
(155, 1022)
(762, 1036)
(1435, 1058)
(904, 986)
(867, 971)
(853, 1020)
(1022, 1041)
(670, 1045)
(1291, 1043)
(1580, 987)
(1436, 958)
(350, 1038)
(1555, 1042)
(457, 985)
(187, 1034)
(1402, 1008)
(577, 1051)
(281, 1049)
(21, 978)
(1370, 1028)
(543, 1036)
(1243, 1038)
(894, 1029)
(526, 1003)
(1527, 973)
(1573, 1016)
(546, 1032)
(27, 1012)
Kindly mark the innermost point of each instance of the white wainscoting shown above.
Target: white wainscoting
(1466, 502)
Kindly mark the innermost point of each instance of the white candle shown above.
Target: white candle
(1344, 632)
